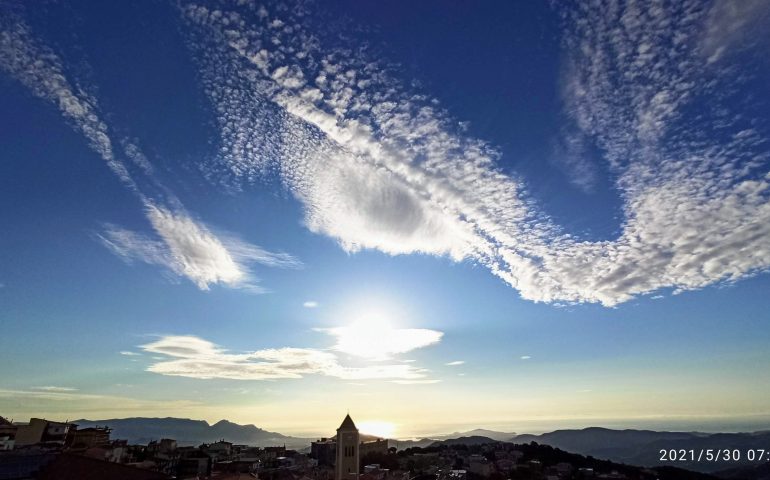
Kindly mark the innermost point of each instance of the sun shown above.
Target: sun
(377, 428)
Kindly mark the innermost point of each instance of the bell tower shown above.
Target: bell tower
(348, 442)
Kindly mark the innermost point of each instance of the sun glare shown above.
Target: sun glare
(378, 340)
(377, 428)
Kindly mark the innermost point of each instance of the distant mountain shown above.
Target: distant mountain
(479, 432)
(142, 430)
(642, 447)
(489, 435)
(404, 444)
(633, 447)
(605, 440)
(473, 440)
(547, 456)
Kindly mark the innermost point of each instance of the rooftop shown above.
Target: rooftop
(347, 424)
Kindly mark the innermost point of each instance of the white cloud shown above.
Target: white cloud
(57, 403)
(190, 356)
(188, 248)
(55, 389)
(455, 363)
(40, 69)
(310, 304)
(525, 357)
(378, 165)
(733, 26)
(416, 382)
(572, 154)
(379, 341)
(129, 354)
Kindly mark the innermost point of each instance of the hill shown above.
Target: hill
(642, 447)
(756, 472)
(536, 459)
(478, 432)
(141, 430)
(473, 440)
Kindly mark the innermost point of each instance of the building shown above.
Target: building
(164, 446)
(479, 465)
(348, 451)
(7, 434)
(324, 450)
(374, 446)
(89, 437)
(219, 451)
(40, 430)
(77, 467)
(451, 475)
(193, 463)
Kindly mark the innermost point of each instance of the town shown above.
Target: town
(46, 450)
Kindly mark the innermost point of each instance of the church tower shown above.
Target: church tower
(347, 451)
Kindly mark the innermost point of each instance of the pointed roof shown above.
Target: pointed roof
(347, 424)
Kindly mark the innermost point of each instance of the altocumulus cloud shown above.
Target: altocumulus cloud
(379, 165)
(191, 356)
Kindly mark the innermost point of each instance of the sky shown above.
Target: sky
(433, 215)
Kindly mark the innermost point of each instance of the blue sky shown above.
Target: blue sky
(535, 215)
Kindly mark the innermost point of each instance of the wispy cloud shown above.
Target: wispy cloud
(455, 363)
(188, 248)
(572, 155)
(55, 389)
(416, 382)
(59, 403)
(185, 246)
(379, 165)
(310, 304)
(524, 357)
(733, 26)
(37, 66)
(130, 354)
(190, 356)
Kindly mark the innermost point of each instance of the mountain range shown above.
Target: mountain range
(643, 447)
(141, 430)
(633, 447)
(471, 437)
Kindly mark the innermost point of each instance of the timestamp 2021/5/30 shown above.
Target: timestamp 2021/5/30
(714, 455)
